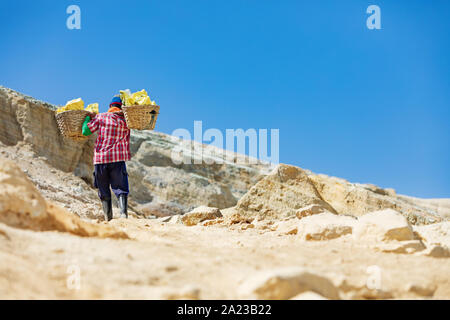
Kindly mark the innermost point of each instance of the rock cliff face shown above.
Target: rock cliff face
(158, 185)
(27, 121)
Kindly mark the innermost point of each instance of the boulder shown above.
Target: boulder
(156, 209)
(280, 194)
(200, 214)
(188, 292)
(175, 219)
(421, 290)
(309, 211)
(359, 199)
(436, 251)
(287, 227)
(285, 283)
(383, 225)
(437, 233)
(21, 204)
(325, 226)
(410, 246)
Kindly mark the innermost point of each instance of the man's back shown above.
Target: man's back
(113, 140)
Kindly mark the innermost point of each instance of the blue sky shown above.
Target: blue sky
(365, 105)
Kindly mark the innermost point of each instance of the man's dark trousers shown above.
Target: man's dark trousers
(112, 175)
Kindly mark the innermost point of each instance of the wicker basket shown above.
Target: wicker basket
(70, 124)
(141, 117)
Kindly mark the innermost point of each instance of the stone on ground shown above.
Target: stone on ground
(21, 205)
(310, 210)
(421, 290)
(436, 251)
(437, 233)
(383, 225)
(325, 226)
(286, 227)
(200, 214)
(285, 283)
(409, 246)
(308, 295)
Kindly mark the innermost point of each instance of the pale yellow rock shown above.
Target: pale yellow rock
(436, 251)
(359, 199)
(228, 211)
(280, 194)
(190, 292)
(325, 226)
(287, 227)
(200, 214)
(440, 206)
(175, 219)
(213, 222)
(285, 283)
(308, 295)
(437, 233)
(422, 290)
(410, 246)
(383, 225)
(309, 211)
(20, 202)
(234, 217)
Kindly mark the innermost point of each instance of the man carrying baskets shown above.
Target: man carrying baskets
(112, 149)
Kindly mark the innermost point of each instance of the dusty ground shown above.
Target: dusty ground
(173, 261)
(169, 261)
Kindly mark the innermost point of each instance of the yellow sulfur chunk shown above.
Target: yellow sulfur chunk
(138, 98)
(93, 107)
(129, 101)
(76, 104)
(124, 96)
(60, 109)
(141, 98)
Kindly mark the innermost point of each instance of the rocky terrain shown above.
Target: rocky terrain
(203, 231)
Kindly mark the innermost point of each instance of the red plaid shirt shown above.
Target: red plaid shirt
(113, 140)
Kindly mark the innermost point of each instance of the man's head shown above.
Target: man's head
(116, 102)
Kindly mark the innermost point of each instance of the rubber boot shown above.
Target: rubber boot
(123, 204)
(107, 209)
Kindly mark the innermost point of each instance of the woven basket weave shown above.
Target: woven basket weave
(70, 124)
(141, 117)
